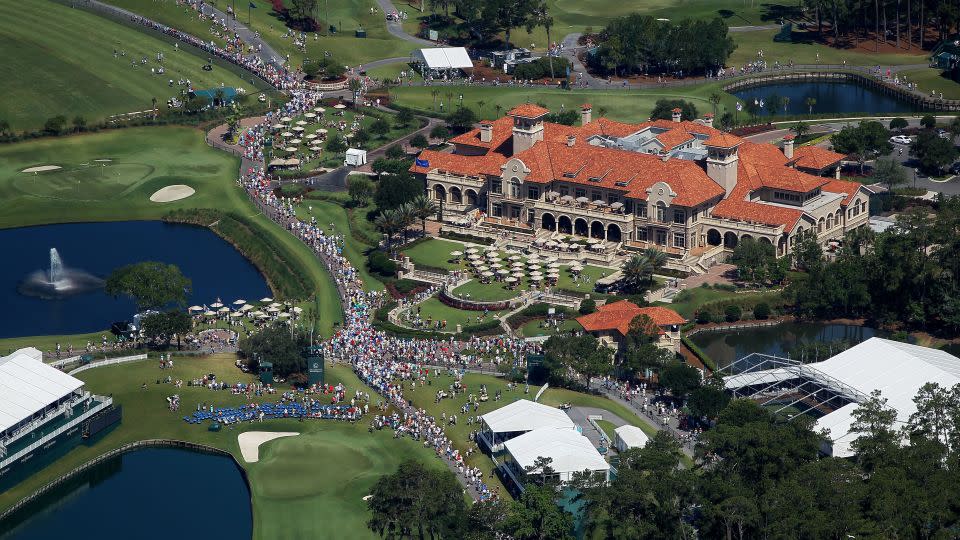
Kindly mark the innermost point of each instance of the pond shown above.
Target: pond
(156, 493)
(728, 346)
(832, 97)
(94, 250)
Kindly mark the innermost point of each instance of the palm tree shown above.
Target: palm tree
(602, 111)
(715, 99)
(786, 104)
(541, 17)
(406, 216)
(434, 93)
(499, 109)
(801, 129)
(638, 270)
(423, 208)
(480, 104)
(388, 223)
(810, 102)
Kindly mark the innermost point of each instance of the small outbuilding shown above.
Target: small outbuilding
(569, 452)
(442, 60)
(355, 157)
(517, 418)
(627, 437)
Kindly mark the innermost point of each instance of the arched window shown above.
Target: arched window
(515, 187)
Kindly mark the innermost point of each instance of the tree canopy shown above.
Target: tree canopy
(152, 285)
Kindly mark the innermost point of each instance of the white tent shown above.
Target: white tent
(355, 157)
(570, 451)
(28, 386)
(629, 437)
(897, 370)
(520, 417)
(443, 58)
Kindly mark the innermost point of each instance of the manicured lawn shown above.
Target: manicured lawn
(436, 310)
(748, 43)
(346, 15)
(485, 292)
(558, 396)
(933, 79)
(689, 300)
(608, 428)
(302, 487)
(533, 328)
(142, 160)
(330, 211)
(59, 61)
(629, 106)
(435, 253)
(591, 273)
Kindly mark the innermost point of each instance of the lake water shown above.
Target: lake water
(214, 266)
(156, 493)
(832, 97)
(726, 347)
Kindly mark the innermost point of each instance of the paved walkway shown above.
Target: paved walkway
(718, 273)
(396, 27)
(580, 416)
(266, 53)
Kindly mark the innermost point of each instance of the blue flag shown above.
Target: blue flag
(422, 163)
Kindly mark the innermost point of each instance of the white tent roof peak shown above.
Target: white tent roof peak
(569, 450)
(444, 58)
(632, 436)
(526, 415)
(27, 386)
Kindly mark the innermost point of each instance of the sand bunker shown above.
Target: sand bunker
(42, 168)
(172, 193)
(250, 442)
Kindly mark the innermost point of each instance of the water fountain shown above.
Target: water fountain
(59, 280)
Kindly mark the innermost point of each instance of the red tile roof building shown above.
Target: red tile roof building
(684, 187)
(611, 322)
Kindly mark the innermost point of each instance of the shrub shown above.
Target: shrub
(704, 317)
(379, 263)
(588, 306)
(292, 189)
(732, 313)
(762, 311)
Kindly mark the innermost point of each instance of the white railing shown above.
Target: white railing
(108, 362)
(57, 432)
(65, 361)
(576, 210)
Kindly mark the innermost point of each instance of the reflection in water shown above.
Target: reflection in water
(156, 493)
(831, 97)
(726, 347)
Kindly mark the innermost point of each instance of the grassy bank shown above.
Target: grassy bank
(60, 61)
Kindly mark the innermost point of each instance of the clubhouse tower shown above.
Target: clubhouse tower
(683, 187)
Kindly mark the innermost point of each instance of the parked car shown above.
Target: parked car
(944, 134)
(955, 168)
(900, 139)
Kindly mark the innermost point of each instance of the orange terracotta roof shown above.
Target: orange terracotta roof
(459, 164)
(528, 110)
(618, 315)
(501, 133)
(788, 179)
(814, 157)
(586, 106)
(788, 137)
(842, 186)
(674, 137)
(723, 140)
(630, 172)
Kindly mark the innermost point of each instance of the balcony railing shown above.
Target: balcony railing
(580, 210)
(741, 225)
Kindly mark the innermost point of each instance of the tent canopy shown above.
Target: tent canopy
(27, 386)
(631, 436)
(526, 415)
(444, 58)
(570, 451)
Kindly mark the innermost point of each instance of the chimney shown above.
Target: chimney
(486, 132)
(722, 163)
(708, 119)
(586, 114)
(676, 114)
(788, 146)
(571, 140)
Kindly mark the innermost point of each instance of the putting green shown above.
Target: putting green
(60, 61)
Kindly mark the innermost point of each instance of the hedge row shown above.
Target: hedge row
(280, 267)
(747, 302)
(466, 238)
(536, 312)
(699, 353)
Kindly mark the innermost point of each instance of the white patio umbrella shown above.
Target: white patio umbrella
(266, 299)
(476, 264)
(576, 269)
(518, 274)
(216, 305)
(224, 309)
(321, 130)
(553, 265)
(496, 265)
(515, 257)
(503, 271)
(298, 128)
(536, 273)
(276, 304)
(592, 241)
(246, 307)
(310, 115)
(319, 109)
(272, 309)
(487, 274)
(339, 106)
(284, 315)
(286, 119)
(287, 134)
(617, 205)
(209, 313)
(311, 136)
(297, 309)
(194, 308)
(290, 149)
(301, 122)
(536, 278)
(551, 244)
(511, 280)
(239, 302)
(473, 256)
(295, 141)
(315, 149)
(456, 254)
(598, 202)
(236, 314)
(483, 268)
(278, 126)
(471, 250)
(583, 200)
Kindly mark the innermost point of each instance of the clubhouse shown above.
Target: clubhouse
(611, 322)
(683, 187)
